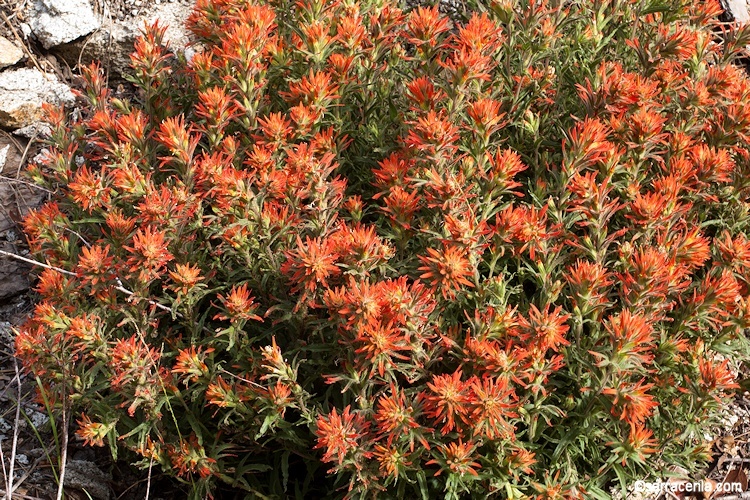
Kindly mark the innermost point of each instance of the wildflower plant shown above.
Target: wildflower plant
(350, 250)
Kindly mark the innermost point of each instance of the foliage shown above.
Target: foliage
(504, 256)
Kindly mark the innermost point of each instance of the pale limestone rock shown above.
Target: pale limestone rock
(113, 43)
(9, 53)
(55, 22)
(738, 9)
(173, 16)
(24, 91)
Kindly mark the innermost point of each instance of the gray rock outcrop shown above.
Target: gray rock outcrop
(54, 22)
(9, 53)
(113, 43)
(24, 91)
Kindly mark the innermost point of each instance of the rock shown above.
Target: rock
(22, 93)
(37, 419)
(113, 43)
(55, 22)
(10, 156)
(86, 476)
(173, 16)
(25, 30)
(16, 199)
(4, 155)
(39, 130)
(9, 53)
(738, 9)
(13, 274)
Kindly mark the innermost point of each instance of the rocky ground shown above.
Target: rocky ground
(42, 42)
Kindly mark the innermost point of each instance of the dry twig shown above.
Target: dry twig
(29, 54)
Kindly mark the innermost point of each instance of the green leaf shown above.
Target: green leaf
(623, 478)
(597, 493)
(112, 442)
(422, 480)
(267, 422)
(258, 467)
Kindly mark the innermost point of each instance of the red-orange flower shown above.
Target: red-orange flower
(92, 433)
(217, 108)
(340, 434)
(526, 227)
(735, 251)
(304, 118)
(504, 165)
(712, 165)
(135, 373)
(315, 89)
(219, 393)
(457, 458)
(632, 337)
(52, 284)
(587, 144)
(239, 305)
(465, 66)
(480, 34)
(425, 25)
(149, 253)
(95, 265)
(486, 116)
(175, 135)
(449, 398)
(85, 333)
(716, 377)
(120, 227)
(191, 458)
(391, 461)
(360, 247)
(90, 188)
(276, 129)
(191, 364)
(396, 418)
(447, 269)
(590, 283)
(186, 276)
(350, 31)
(341, 65)
(633, 402)
(381, 344)
(520, 461)
(434, 135)
(280, 395)
(401, 205)
(692, 248)
(545, 329)
(423, 93)
(639, 444)
(492, 406)
(311, 264)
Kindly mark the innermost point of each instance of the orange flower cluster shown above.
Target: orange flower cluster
(503, 254)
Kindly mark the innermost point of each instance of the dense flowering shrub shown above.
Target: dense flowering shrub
(351, 250)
